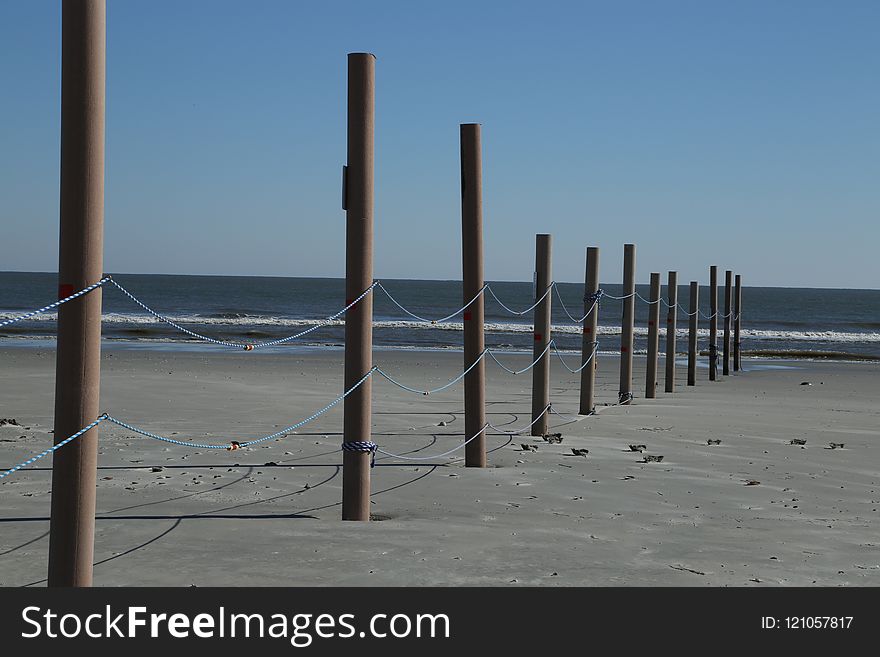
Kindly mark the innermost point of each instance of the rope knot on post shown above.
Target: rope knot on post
(624, 397)
(362, 446)
(595, 297)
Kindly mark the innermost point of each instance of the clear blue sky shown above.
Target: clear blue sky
(743, 134)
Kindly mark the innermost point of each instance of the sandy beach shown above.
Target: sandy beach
(270, 515)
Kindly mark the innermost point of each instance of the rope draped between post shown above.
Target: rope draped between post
(452, 382)
(231, 445)
(570, 316)
(433, 456)
(247, 346)
(583, 365)
(520, 312)
(424, 319)
(55, 304)
(651, 303)
(625, 296)
(504, 432)
(55, 447)
(527, 367)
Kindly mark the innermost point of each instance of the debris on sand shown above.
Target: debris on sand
(806, 383)
(797, 441)
(713, 441)
(835, 445)
(441, 423)
(638, 448)
(687, 570)
(652, 459)
(553, 438)
(579, 452)
(526, 447)
(752, 482)
(12, 422)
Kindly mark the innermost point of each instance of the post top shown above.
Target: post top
(356, 54)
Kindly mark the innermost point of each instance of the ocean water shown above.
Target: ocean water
(776, 322)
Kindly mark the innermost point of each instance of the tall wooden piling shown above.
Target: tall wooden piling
(737, 353)
(728, 281)
(358, 277)
(693, 323)
(591, 323)
(627, 319)
(713, 322)
(80, 264)
(541, 370)
(472, 283)
(671, 328)
(653, 336)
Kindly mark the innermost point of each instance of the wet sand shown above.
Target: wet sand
(270, 515)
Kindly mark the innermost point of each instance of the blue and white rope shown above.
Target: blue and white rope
(55, 447)
(525, 369)
(55, 304)
(585, 363)
(361, 447)
(505, 432)
(248, 346)
(432, 391)
(625, 296)
(570, 316)
(246, 443)
(433, 456)
(568, 418)
(651, 303)
(425, 319)
(520, 312)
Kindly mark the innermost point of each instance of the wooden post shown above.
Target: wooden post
(693, 323)
(737, 353)
(541, 370)
(591, 324)
(472, 283)
(671, 328)
(80, 263)
(653, 337)
(358, 277)
(728, 280)
(626, 332)
(713, 322)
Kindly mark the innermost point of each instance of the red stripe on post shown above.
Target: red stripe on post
(651, 322)
(624, 349)
(537, 337)
(587, 329)
(65, 290)
(467, 316)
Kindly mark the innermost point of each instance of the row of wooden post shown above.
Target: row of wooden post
(71, 546)
(358, 203)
